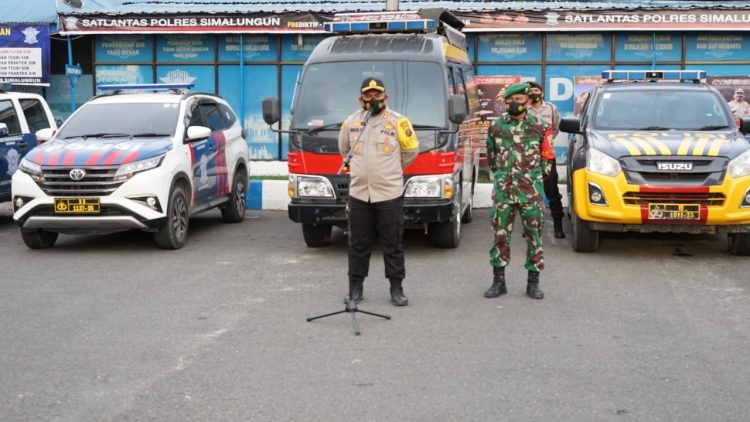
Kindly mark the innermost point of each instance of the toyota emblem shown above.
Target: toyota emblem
(77, 174)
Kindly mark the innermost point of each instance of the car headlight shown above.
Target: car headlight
(429, 187)
(740, 166)
(126, 171)
(312, 187)
(601, 163)
(32, 169)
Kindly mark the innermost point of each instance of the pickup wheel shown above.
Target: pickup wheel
(447, 234)
(739, 243)
(316, 235)
(234, 211)
(584, 238)
(468, 215)
(173, 234)
(39, 239)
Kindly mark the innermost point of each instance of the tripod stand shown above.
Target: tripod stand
(350, 306)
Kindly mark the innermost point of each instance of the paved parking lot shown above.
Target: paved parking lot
(650, 328)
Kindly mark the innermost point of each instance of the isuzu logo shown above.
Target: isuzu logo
(77, 174)
(674, 166)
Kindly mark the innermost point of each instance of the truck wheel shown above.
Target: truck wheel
(39, 239)
(584, 238)
(447, 234)
(468, 216)
(316, 235)
(234, 211)
(739, 243)
(173, 234)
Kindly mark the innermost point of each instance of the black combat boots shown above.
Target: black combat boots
(498, 283)
(397, 294)
(356, 290)
(532, 286)
(559, 233)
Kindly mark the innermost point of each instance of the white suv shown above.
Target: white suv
(124, 161)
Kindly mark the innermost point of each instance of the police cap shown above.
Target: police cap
(372, 83)
(522, 88)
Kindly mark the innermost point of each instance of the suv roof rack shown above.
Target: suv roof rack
(614, 75)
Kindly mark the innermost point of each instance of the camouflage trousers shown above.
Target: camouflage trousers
(532, 218)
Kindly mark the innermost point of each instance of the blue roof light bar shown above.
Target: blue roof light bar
(144, 87)
(653, 75)
(401, 25)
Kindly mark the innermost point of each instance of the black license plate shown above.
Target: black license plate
(77, 206)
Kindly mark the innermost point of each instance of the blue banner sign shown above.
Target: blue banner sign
(510, 47)
(124, 48)
(591, 47)
(185, 48)
(25, 54)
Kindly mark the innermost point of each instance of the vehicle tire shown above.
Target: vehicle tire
(316, 235)
(39, 239)
(468, 216)
(584, 238)
(739, 243)
(447, 234)
(173, 234)
(234, 210)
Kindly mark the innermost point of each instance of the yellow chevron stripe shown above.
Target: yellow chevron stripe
(632, 149)
(716, 146)
(660, 146)
(645, 145)
(685, 146)
(698, 150)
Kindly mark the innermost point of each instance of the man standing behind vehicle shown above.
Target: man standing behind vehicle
(380, 144)
(738, 106)
(548, 112)
(515, 150)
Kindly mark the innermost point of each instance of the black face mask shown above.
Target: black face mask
(514, 108)
(535, 98)
(375, 105)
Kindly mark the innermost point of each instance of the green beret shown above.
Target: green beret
(522, 88)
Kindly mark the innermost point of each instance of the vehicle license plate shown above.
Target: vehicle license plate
(674, 211)
(77, 206)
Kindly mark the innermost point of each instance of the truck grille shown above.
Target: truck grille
(341, 187)
(99, 181)
(708, 198)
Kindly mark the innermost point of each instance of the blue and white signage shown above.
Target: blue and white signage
(25, 54)
(510, 47)
(185, 48)
(590, 47)
(124, 48)
(713, 46)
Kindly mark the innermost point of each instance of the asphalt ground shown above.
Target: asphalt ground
(109, 328)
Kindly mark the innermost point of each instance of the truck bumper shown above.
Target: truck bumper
(336, 213)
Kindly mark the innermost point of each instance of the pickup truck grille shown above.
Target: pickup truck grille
(708, 198)
(99, 181)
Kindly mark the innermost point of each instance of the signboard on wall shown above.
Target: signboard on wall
(25, 54)
(185, 48)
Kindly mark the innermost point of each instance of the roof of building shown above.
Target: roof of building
(41, 11)
(123, 7)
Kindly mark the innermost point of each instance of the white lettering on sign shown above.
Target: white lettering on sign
(561, 89)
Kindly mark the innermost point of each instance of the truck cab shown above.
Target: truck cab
(21, 115)
(422, 59)
(658, 151)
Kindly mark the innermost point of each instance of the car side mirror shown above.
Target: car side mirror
(570, 125)
(44, 135)
(195, 133)
(745, 125)
(4, 130)
(457, 108)
(271, 110)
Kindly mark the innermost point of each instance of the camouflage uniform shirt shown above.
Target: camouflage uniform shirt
(514, 154)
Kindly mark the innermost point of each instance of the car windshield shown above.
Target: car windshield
(661, 110)
(329, 91)
(126, 120)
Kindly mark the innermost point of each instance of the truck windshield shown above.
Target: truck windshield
(124, 119)
(661, 110)
(329, 92)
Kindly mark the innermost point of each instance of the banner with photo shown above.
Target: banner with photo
(736, 90)
(581, 89)
(490, 90)
(25, 54)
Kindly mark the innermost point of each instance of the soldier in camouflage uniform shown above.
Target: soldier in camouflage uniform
(516, 143)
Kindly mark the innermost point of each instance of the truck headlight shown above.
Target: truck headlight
(601, 163)
(126, 171)
(32, 169)
(429, 187)
(740, 166)
(312, 187)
